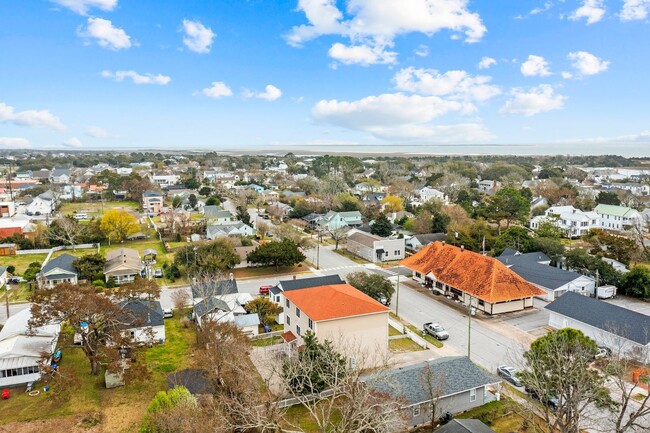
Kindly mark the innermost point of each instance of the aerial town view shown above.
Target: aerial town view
(324, 216)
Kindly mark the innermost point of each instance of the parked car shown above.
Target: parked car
(509, 374)
(158, 273)
(264, 290)
(602, 352)
(549, 399)
(435, 330)
(16, 280)
(384, 300)
(167, 313)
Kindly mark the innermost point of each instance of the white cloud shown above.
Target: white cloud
(375, 24)
(567, 75)
(592, 10)
(14, 143)
(271, 93)
(106, 34)
(198, 38)
(635, 10)
(96, 132)
(534, 101)
(73, 142)
(642, 137)
(456, 85)
(486, 62)
(421, 51)
(364, 55)
(82, 6)
(535, 11)
(535, 66)
(137, 78)
(587, 64)
(396, 116)
(30, 118)
(217, 90)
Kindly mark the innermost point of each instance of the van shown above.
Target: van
(80, 216)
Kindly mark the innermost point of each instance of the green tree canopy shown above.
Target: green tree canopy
(381, 227)
(90, 267)
(374, 285)
(282, 253)
(218, 255)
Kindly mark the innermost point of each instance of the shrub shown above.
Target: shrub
(99, 283)
(11, 269)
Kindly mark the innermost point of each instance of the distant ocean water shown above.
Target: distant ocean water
(631, 149)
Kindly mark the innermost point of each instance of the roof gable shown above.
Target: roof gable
(302, 283)
(63, 263)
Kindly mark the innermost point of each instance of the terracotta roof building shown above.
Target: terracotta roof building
(352, 321)
(471, 277)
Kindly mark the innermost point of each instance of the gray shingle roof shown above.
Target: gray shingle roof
(139, 313)
(603, 315)
(464, 426)
(210, 304)
(63, 262)
(528, 268)
(456, 374)
(304, 283)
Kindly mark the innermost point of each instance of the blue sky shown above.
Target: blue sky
(558, 76)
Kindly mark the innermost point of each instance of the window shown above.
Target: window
(297, 312)
(288, 320)
(287, 303)
(472, 394)
(277, 299)
(398, 252)
(310, 323)
(416, 411)
(298, 329)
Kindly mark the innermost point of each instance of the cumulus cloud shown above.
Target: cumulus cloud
(635, 10)
(137, 78)
(535, 66)
(373, 24)
(592, 10)
(73, 142)
(396, 116)
(30, 118)
(486, 62)
(217, 90)
(83, 6)
(14, 143)
(198, 38)
(587, 64)
(105, 34)
(455, 85)
(535, 11)
(270, 93)
(534, 101)
(96, 132)
(363, 55)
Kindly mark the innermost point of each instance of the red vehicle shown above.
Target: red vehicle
(264, 290)
(5, 394)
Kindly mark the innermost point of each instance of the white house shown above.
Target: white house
(232, 228)
(488, 185)
(335, 220)
(375, 248)
(622, 330)
(42, 204)
(143, 320)
(58, 270)
(21, 350)
(427, 193)
(617, 217)
(572, 221)
(164, 180)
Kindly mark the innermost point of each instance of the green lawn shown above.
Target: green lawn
(97, 208)
(502, 417)
(21, 262)
(427, 337)
(121, 409)
(270, 341)
(403, 345)
(392, 331)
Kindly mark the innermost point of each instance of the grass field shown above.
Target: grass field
(118, 410)
(503, 417)
(403, 345)
(94, 209)
(392, 331)
(22, 261)
(270, 341)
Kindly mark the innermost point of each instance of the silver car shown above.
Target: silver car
(435, 330)
(509, 374)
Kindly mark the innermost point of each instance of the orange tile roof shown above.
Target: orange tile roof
(333, 302)
(483, 277)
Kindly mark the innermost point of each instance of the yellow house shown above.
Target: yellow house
(352, 321)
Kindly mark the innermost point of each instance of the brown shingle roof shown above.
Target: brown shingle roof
(365, 239)
(483, 277)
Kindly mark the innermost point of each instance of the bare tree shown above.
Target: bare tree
(339, 234)
(65, 229)
(180, 298)
(434, 385)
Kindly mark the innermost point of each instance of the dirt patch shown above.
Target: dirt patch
(76, 424)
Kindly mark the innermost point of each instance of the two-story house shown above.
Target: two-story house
(375, 248)
(572, 221)
(617, 217)
(152, 202)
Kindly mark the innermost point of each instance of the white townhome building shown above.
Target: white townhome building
(573, 221)
(617, 217)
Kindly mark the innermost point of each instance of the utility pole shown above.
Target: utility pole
(318, 239)
(7, 299)
(469, 327)
(397, 297)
